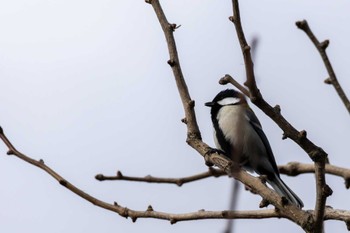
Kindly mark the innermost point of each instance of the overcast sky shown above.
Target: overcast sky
(85, 86)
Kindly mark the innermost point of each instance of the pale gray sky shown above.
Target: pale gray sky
(85, 86)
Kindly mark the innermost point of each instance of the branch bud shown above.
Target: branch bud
(277, 109)
(302, 24)
(119, 174)
(323, 45)
(302, 135)
(232, 19)
(10, 152)
(191, 103)
(173, 26)
(284, 136)
(149, 208)
(328, 81)
(99, 177)
(171, 62)
(264, 203)
(63, 182)
(327, 190)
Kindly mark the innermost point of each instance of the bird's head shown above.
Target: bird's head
(227, 97)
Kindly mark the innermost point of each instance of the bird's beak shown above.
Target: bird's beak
(209, 104)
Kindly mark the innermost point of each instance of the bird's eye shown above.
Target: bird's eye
(229, 101)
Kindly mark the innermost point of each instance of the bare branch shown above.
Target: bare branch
(283, 209)
(323, 190)
(193, 132)
(314, 152)
(212, 172)
(249, 67)
(173, 218)
(295, 168)
(289, 169)
(291, 212)
(321, 47)
(342, 215)
(228, 79)
(133, 214)
(150, 212)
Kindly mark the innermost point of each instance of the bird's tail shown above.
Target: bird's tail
(282, 189)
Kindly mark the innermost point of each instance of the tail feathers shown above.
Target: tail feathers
(282, 189)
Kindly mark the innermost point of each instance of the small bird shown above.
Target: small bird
(238, 133)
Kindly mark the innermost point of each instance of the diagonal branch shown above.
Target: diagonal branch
(249, 66)
(193, 132)
(321, 47)
(314, 152)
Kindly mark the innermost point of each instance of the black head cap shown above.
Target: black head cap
(224, 94)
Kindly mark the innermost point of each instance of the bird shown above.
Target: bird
(238, 133)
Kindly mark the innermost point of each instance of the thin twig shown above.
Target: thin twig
(228, 79)
(296, 168)
(289, 169)
(321, 47)
(212, 172)
(249, 66)
(322, 189)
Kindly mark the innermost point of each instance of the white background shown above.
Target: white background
(85, 86)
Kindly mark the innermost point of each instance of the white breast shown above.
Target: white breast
(232, 122)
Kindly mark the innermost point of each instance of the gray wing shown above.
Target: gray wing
(254, 121)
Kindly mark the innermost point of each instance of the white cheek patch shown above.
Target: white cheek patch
(228, 101)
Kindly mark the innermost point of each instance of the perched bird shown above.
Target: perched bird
(238, 133)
